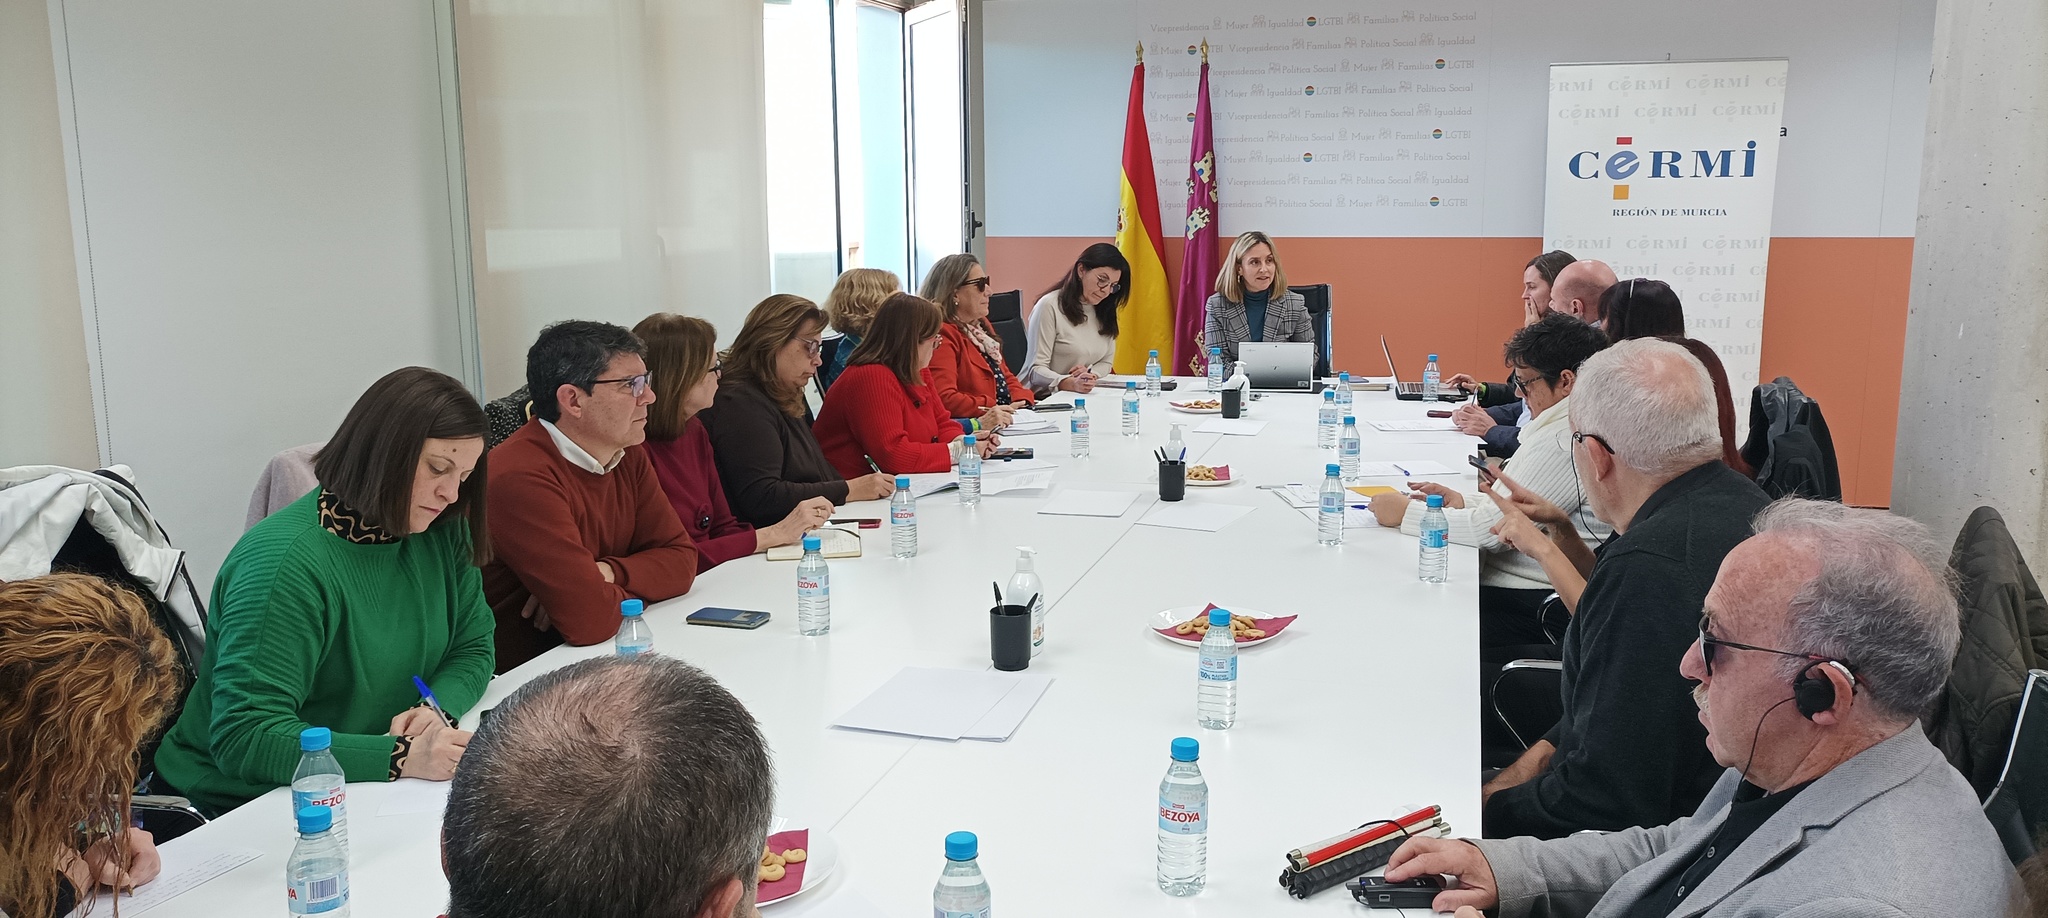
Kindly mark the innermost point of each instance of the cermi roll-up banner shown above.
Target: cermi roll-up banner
(1667, 170)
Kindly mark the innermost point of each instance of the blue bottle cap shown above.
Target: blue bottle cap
(1436, 500)
(1186, 749)
(1332, 471)
(631, 607)
(962, 846)
(1216, 349)
(1219, 618)
(1432, 358)
(313, 739)
(1329, 395)
(1080, 403)
(968, 439)
(811, 542)
(903, 482)
(1155, 352)
(1130, 384)
(315, 819)
(1344, 376)
(1350, 419)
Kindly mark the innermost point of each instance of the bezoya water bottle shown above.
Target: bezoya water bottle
(1435, 564)
(813, 589)
(1216, 369)
(1183, 822)
(1130, 408)
(1330, 507)
(970, 471)
(1326, 421)
(903, 520)
(1077, 427)
(1432, 380)
(316, 876)
(962, 891)
(1344, 391)
(319, 781)
(1347, 448)
(1152, 375)
(634, 638)
(1216, 675)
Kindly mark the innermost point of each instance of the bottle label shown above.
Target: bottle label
(333, 797)
(318, 895)
(1223, 669)
(1435, 538)
(1130, 407)
(1333, 503)
(982, 912)
(1080, 424)
(903, 516)
(818, 587)
(1182, 819)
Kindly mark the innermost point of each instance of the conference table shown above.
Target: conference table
(1366, 707)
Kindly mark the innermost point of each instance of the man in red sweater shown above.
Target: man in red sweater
(578, 522)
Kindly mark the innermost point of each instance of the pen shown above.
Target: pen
(428, 694)
(1397, 468)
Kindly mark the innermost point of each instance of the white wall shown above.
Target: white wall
(46, 412)
(1058, 71)
(261, 201)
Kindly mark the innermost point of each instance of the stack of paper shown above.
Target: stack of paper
(1432, 425)
(1237, 427)
(1026, 422)
(1090, 503)
(1356, 516)
(948, 704)
(1408, 468)
(1201, 517)
(185, 866)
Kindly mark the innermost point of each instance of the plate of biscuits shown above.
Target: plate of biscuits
(793, 862)
(1187, 625)
(1209, 476)
(1198, 406)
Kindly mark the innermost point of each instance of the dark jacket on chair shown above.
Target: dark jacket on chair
(2005, 633)
(1789, 446)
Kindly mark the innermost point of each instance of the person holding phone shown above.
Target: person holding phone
(882, 414)
(1073, 327)
(968, 369)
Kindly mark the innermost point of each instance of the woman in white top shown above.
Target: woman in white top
(1543, 360)
(1073, 327)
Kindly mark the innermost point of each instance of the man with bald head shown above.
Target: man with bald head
(1628, 750)
(1576, 292)
(1824, 638)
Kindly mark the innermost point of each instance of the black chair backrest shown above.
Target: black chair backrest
(1005, 314)
(1317, 297)
(2018, 807)
(1789, 445)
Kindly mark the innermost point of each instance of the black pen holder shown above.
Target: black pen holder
(1173, 480)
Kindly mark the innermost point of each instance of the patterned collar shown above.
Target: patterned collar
(337, 518)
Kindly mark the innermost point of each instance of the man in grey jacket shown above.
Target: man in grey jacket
(1824, 638)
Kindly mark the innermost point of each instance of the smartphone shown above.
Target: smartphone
(1005, 453)
(1168, 385)
(1376, 892)
(1479, 462)
(865, 522)
(1053, 406)
(1439, 414)
(727, 618)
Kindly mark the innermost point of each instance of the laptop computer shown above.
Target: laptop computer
(1412, 391)
(1280, 366)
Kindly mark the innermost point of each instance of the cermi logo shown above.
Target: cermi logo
(1622, 165)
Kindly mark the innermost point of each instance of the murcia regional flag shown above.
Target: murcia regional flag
(1146, 322)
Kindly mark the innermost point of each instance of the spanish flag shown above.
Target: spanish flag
(1146, 321)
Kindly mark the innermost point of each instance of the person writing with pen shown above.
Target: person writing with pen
(882, 414)
(1073, 327)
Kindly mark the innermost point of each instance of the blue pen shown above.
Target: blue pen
(428, 694)
(1397, 468)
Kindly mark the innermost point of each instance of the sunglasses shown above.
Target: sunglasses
(979, 283)
(1709, 644)
(635, 384)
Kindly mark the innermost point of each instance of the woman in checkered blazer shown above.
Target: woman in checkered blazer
(1245, 306)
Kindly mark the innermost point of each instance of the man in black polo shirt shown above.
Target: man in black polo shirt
(1629, 750)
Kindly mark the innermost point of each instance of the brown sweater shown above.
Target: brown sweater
(768, 460)
(551, 522)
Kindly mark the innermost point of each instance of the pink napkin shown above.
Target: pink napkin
(1271, 626)
(1222, 472)
(793, 880)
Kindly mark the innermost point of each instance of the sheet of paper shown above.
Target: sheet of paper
(407, 796)
(1236, 427)
(1034, 480)
(1432, 425)
(1072, 502)
(1026, 422)
(929, 483)
(1202, 517)
(1301, 495)
(832, 903)
(1356, 516)
(1003, 467)
(1406, 468)
(935, 703)
(1003, 720)
(185, 867)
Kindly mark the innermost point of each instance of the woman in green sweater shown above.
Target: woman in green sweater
(326, 609)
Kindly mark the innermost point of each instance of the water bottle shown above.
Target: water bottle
(635, 638)
(1330, 508)
(1216, 682)
(1025, 589)
(1326, 421)
(1347, 449)
(1176, 448)
(1344, 391)
(813, 590)
(1216, 369)
(903, 520)
(1152, 375)
(961, 893)
(1078, 425)
(316, 876)
(1130, 408)
(1435, 565)
(319, 781)
(1432, 380)
(1183, 822)
(970, 471)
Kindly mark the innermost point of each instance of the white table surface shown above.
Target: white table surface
(1065, 808)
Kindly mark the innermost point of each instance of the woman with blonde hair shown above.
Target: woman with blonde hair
(759, 425)
(850, 307)
(1252, 302)
(683, 368)
(968, 369)
(883, 413)
(85, 678)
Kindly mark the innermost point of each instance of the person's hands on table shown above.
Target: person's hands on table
(1472, 877)
(874, 486)
(100, 864)
(809, 515)
(435, 752)
(414, 721)
(1462, 381)
(1080, 379)
(1453, 498)
(986, 446)
(1472, 420)
(1387, 509)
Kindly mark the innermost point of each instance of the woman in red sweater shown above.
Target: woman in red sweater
(682, 370)
(967, 369)
(882, 414)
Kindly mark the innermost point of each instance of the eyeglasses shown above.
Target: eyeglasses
(1709, 643)
(1104, 283)
(1580, 436)
(1517, 385)
(718, 368)
(812, 345)
(635, 384)
(979, 283)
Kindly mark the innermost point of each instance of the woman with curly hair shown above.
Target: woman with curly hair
(851, 305)
(85, 678)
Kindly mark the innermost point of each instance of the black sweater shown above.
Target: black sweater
(1630, 748)
(767, 460)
